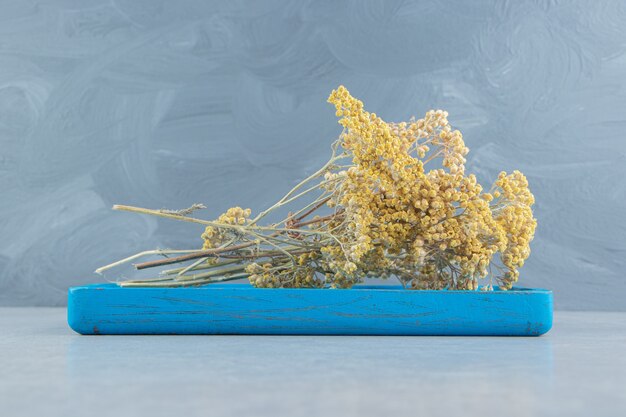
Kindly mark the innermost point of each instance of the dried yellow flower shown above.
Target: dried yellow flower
(388, 213)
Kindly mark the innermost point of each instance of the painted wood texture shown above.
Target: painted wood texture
(366, 310)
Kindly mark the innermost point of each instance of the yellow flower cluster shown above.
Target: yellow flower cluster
(285, 276)
(387, 213)
(215, 237)
(434, 229)
(514, 215)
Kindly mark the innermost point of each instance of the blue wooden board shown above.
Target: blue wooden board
(363, 310)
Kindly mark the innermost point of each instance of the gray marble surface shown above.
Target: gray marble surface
(163, 104)
(579, 368)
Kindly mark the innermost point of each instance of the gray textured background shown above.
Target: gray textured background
(163, 104)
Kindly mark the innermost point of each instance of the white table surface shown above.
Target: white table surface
(578, 368)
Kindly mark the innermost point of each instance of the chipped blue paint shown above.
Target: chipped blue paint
(366, 310)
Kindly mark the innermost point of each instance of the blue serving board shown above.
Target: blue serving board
(364, 310)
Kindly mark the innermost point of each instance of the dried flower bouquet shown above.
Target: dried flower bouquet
(373, 210)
